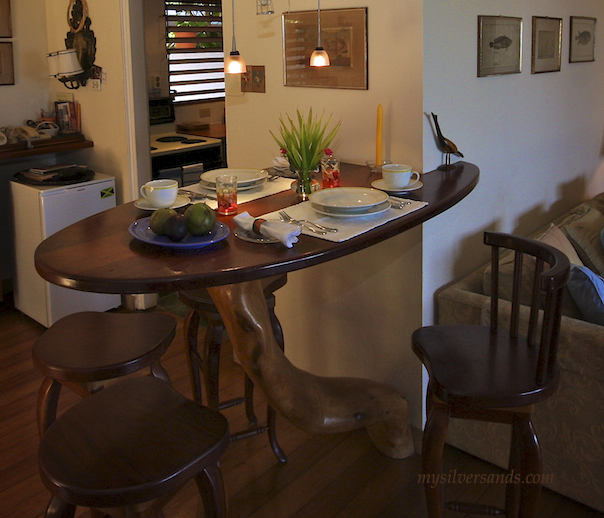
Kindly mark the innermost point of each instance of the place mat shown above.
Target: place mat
(347, 227)
(265, 189)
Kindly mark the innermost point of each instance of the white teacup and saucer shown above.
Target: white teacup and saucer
(398, 178)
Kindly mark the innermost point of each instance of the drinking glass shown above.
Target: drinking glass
(226, 193)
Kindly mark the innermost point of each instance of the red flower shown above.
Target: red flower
(328, 152)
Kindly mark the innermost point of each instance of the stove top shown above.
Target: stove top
(172, 143)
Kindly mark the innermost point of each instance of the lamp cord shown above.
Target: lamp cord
(233, 17)
(319, 19)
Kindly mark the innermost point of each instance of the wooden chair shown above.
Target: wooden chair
(495, 374)
(84, 350)
(208, 361)
(132, 446)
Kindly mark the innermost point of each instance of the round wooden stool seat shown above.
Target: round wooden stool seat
(208, 360)
(84, 350)
(132, 443)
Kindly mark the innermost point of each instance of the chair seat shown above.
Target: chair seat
(468, 364)
(93, 346)
(133, 442)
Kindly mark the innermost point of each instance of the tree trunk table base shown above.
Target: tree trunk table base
(315, 404)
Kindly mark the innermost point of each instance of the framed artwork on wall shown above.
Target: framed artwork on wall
(343, 36)
(547, 44)
(582, 39)
(6, 29)
(499, 45)
(7, 72)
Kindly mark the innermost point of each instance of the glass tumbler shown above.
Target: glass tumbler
(226, 193)
(330, 167)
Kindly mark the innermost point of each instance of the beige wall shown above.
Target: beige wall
(352, 316)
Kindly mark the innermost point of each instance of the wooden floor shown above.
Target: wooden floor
(341, 476)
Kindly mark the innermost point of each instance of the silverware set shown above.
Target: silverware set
(313, 227)
(196, 195)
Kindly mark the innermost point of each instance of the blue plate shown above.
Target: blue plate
(140, 230)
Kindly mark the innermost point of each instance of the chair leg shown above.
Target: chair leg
(48, 398)
(435, 433)
(512, 492)
(194, 362)
(532, 470)
(271, 423)
(157, 370)
(211, 488)
(58, 508)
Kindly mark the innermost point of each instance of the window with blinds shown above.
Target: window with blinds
(194, 48)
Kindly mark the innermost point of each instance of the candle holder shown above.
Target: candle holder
(376, 168)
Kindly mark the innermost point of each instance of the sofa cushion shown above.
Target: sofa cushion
(584, 234)
(587, 290)
(553, 236)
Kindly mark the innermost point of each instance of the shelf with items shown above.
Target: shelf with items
(45, 146)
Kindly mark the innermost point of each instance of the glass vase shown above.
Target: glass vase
(304, 184)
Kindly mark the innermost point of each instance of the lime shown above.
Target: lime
(158, 220)
(200, 219)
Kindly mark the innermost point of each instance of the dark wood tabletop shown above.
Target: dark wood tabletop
(98, 254)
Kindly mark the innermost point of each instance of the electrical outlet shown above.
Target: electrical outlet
(155, 81)
(96, 84)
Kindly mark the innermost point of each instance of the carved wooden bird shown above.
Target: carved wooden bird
(444, 144)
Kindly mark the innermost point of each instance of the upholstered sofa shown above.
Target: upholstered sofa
(570, 425)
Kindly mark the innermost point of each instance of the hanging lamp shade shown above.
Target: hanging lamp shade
(319, 58)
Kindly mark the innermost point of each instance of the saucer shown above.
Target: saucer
(143, 204)
(381, 185)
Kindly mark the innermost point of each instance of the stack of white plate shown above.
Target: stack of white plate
(246, 178)
(349, 202)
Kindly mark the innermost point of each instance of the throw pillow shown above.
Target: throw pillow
(584, 234)
(587, 290)
(556, 238)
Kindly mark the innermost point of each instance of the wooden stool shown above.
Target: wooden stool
(84, 350)
(132, 445)
(497, 373)
(208, 362)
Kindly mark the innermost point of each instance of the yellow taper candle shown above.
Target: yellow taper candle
(378, 138)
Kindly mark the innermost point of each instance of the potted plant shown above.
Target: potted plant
(304, 141)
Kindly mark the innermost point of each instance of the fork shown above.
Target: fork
(286, 217)
(196, 195)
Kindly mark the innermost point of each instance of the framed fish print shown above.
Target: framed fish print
(499, 45)
(6, 30)
(582, 39)
(547, 44)
(7, 72)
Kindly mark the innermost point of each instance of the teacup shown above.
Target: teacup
(398, 176)
(160, 193)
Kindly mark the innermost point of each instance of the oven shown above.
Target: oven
(184, 157)
(180, 156)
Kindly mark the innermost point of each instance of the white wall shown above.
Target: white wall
(352, 316)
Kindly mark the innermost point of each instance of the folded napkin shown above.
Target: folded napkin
(284, 232)
(281, 163)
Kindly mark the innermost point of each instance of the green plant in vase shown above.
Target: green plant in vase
(304, 141)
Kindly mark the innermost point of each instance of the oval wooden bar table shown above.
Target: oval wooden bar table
(99, 255)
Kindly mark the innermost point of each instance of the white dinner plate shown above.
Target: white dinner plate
(244, 176)
(335, 213)
(143, 204)
(353, 199)
(380, 184)
(243, 187)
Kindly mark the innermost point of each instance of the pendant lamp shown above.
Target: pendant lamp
(234, 64)
(319, 58)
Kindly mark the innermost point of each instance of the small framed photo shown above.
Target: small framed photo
(6, 30)
(547, 44)
(582, 39)
(499, 45)
(7, 71)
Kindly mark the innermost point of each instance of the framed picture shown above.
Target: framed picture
(547, 44)
(499, 45)
(7, 71)
(6, 29)
(582, 39)
(343, 36)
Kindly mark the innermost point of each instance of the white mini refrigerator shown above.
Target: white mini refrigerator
(38, 213)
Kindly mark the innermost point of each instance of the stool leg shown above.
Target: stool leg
(211, 488)
(271, 413)
(58, 508)
(435, 433)
(532, 470)
(191, 330)
(48, 398)
(211, 359)
(249, 401)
